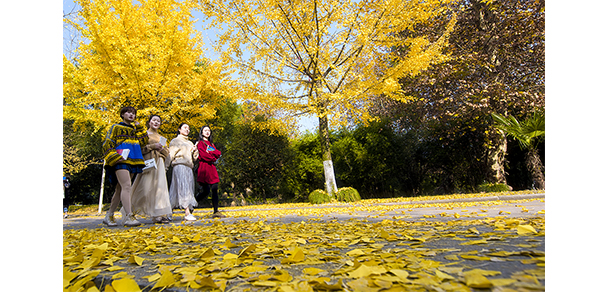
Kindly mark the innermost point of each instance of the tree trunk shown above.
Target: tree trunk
(329, 172)
(535, 167)
(495, 158)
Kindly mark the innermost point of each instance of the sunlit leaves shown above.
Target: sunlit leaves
(145, 54)
(324, 58)
(271, 255)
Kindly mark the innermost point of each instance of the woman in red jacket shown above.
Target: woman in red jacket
(207, 175)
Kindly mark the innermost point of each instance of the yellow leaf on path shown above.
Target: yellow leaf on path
(166, 280)
(312, 271)
(324, 285)
(207, 254)
(286, 289)
(196, 237)
(229, 244)
(303, 286)
(525, 229)
(442, 276)
(230, 256)
(247, 250)
(87, 264)
(355, 252)
(473, 242)
(281, 276)
(502, 282)
(254, 269)
(477, 281)
(362, 285)
(177, 240)
(297, 256)
(402, 274)
(452, 257)
(134, 259)
(383, 284)
(114, 268)
(483, 272)
(475, 258)
(92, 289)
(265, 283)
(125, 285)
(451, 270)
(68, 276)
(208, 282)
(122, 275)
(364, 271)
(153, 278)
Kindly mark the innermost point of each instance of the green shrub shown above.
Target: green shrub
(319, 197)
(493, 188)
(347, 194)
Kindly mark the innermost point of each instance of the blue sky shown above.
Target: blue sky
(305, 123)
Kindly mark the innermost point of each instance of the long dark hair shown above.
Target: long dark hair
(201, 136)
(150, 118)
(180, 127)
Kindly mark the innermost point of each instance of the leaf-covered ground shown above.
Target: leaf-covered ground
(255, 250)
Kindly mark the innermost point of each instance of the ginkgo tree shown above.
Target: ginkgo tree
(146, 54)
(325, 58)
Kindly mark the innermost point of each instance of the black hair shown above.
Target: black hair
(150, 118)
(201, 136)
(180, 127)
(128, 109)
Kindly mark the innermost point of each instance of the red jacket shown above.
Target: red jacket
(206, 173)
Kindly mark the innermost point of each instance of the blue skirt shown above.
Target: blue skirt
(112, 175)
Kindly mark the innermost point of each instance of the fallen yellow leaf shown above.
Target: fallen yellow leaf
(125, 285)
(525, 230)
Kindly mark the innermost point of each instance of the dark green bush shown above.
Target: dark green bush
(319, 197)
(347, 194)
(492, 188)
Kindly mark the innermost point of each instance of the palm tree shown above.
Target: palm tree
(526, 133)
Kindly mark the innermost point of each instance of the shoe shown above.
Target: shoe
(162, 220)
(190, 217)
(65, 216)
(131, 221)
(218, 215)
(109, 220)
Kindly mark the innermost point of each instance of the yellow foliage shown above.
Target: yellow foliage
(312, 255)
(325, 58)
(144, 54)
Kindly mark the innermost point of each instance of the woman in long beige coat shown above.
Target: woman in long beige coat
(150, 194)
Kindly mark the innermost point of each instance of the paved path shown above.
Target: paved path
(424, 210)
(421, 218)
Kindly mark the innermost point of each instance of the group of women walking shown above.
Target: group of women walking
(126, 148)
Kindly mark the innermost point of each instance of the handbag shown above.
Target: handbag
(149, 164)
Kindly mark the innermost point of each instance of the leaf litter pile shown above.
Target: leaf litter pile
(479, 253)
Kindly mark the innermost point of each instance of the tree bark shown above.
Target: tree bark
(496, 157)
(329, 172)
(536, 169)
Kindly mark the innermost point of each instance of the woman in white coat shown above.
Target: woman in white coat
(182, 189)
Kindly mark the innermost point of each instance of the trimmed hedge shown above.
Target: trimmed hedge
(319, 197)
(347, 194)
(493, 188)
